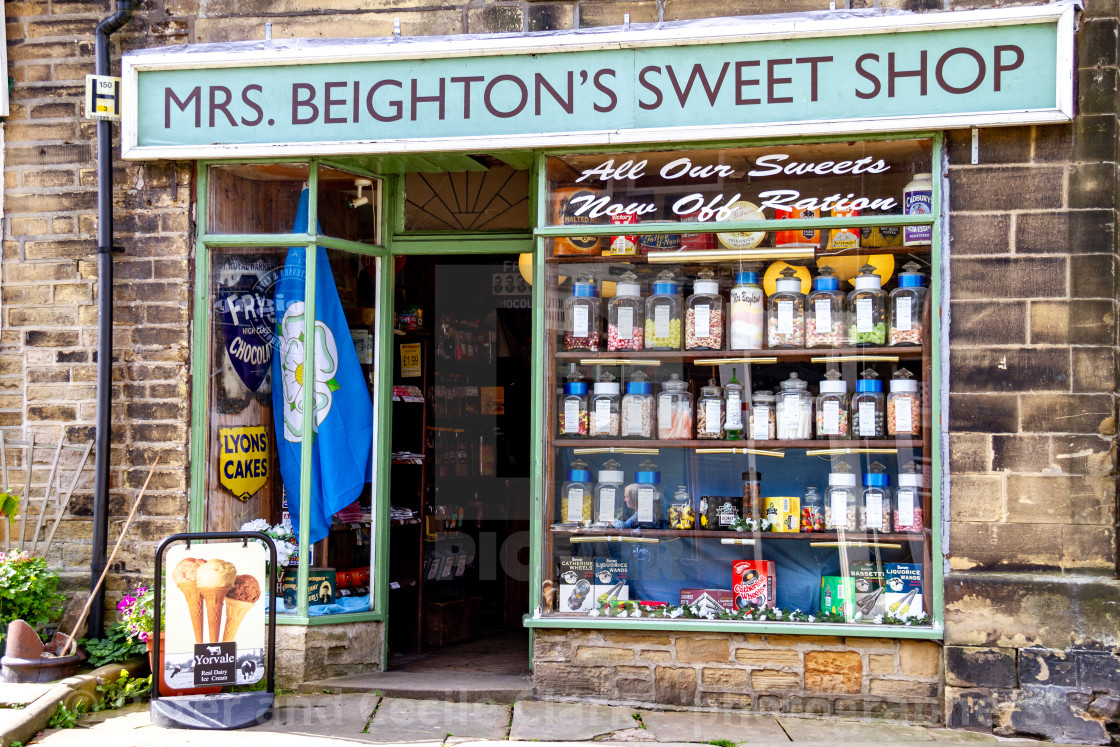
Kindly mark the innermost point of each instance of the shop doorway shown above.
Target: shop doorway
(459, 536)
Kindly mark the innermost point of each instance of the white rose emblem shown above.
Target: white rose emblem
(292, 342)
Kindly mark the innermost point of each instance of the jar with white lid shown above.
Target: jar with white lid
(867, 309)
(644, 498)
(785, 321)
(824, 312)
(709, 411)
(917, 199)
(868, 406)
(637, 407)
(734, 410)
(581, 310)
(763, 418)
(626, 315)
(832, 406)
(703, 324)
(664, 314)
(904, 406)
(794, 410)
(909, 513)
(575, 495)
(573, 408)
(907, 304)
(605, 413)
(609, 506)
(840, 512)
(674, 410)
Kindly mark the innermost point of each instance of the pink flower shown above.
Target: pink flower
(144, 637)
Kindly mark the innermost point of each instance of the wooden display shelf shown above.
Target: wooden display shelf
(645, 443)
(640, 259)
(902, 352)
(722, 534)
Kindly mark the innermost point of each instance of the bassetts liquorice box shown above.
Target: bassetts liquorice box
(903, 594)
(611, 581)
(869, 585)
(705, 601)
(577, 585)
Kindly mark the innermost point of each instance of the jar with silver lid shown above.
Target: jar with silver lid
(709, 411)
(867, 309)
(904, 406)
(674, 410)
(763, 417)
(840, 502)
(794, 414)
(832, 407)
(605, 414)
(785, 319)
(703, 322)
(609, 505)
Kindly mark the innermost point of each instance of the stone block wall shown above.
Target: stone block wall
(879, 677)
(315, 652)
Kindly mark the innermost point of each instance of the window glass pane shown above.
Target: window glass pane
(349, 206)
(772, 182)
(496, 199)
(254, 198)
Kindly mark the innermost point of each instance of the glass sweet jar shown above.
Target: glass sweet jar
(573, 407)
(664, 314)
(576, 495)
(626, 313)
(609, 506)
(875, 506)
(832, 406)
(785, 320)
(581, 310)
(734, 409)
(605, 413)
(867, 309)
(746, 313)
(762, 421)
(868, 406)
(904, 406)
(682, 512)
(907, 305)
(909, 511)
(824, 312)
(674, 410)
(703, 322)
(794, 406)
(709, 411)
(637, 407)
(644, 498)
(840, 512)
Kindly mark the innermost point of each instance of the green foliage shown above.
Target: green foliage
(722, 743)
(9, 505)
(114, 694)
(67, 718)
(116, 646)
(28, 591)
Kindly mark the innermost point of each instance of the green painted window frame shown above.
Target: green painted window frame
(200, 348)
(542, 232)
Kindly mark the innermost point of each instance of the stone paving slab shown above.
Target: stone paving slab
(435, 719)
(567, 722)
(690, 726)
(21, 694)
(323, 715)
(961, 736)
(840, 730)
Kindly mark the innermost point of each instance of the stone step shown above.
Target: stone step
(467, 687)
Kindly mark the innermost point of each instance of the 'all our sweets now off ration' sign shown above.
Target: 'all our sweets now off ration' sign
(816, 73)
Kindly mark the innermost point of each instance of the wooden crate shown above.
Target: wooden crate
(451, 622)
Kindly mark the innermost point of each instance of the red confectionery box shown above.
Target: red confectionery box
(754, 584)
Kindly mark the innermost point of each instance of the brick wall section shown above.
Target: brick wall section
(1031, 614)
(781, 673)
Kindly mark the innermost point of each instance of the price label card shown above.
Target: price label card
(579, 321)
(866, 420)
(711, 417)
(702, 320)
(410, 360)
(822, 307)
(602, 416)
(571, 417)
(864, 321)
(761, 421)
(785, 317)
(575, 504)
(625, 323)
(661, 321)
(906, 508)
(645, 505)
(734, 412)
(606, 505)
(873, 509)
(903, 415)
(902, 314)
(831, 418)
(838, 504)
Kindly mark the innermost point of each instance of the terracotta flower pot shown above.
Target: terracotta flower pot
(166, 690)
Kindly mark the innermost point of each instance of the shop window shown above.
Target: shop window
(742, 429)
(490, 199)
(254, 198)
(349, 206)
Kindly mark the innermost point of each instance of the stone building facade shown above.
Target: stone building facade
(1031, 591)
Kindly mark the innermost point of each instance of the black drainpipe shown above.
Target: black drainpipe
(104, 322)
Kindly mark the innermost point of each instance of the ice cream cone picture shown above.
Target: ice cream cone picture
(240, 599)
(215, 578)
(185, 577)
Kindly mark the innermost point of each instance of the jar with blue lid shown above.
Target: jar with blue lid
(664, 314)
(576, 495)
(875, 506)
(644, 498)
(824, 312)
(907, 304)
(573, 408)
(637, 407)
(581, 310)
(868, 406)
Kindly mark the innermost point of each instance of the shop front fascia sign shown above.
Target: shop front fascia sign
(819, 73)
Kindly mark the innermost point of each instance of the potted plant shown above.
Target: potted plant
(28, 591)
(285, 540)
(138, 617)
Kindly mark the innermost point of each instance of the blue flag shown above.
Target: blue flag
(343, 419)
